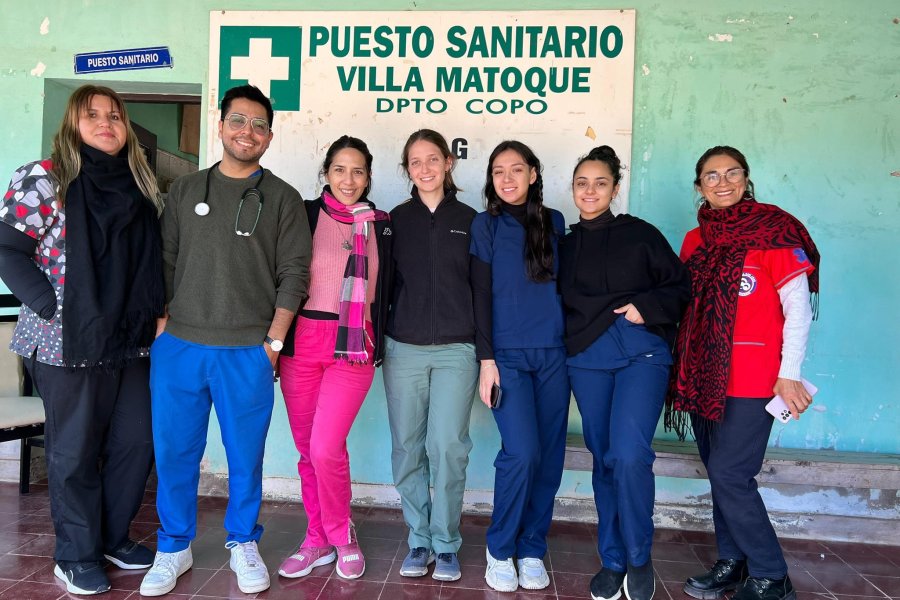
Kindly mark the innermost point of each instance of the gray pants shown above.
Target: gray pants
(430, 390)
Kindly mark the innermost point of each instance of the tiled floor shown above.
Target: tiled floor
(820, 570)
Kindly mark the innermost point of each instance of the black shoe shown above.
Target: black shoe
(760, 588)
(131, 555)
(725, 575)
(85, 578)
(607, 584)
(640, 583)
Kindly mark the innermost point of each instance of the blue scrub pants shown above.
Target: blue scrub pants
(186, 380)
(733, 453)
(532, 419)
(620, 408)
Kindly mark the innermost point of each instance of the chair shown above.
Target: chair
(21, 414)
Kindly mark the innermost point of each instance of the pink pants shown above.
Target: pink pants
(323, 397)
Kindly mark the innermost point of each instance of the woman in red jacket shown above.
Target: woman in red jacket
(742, 339)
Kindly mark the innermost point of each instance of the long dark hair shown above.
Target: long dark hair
(538, 223)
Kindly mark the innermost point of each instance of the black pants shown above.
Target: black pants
(733, 453)
(99, 446)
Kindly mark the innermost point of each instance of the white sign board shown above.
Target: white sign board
(560, 81)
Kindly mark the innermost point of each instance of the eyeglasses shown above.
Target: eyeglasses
(712, 179)
(237, 121)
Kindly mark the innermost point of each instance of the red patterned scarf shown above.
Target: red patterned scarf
(703, 347)
(350, 345)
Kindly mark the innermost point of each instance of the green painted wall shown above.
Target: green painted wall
(808, 90)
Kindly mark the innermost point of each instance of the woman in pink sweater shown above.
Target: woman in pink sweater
(330, 355)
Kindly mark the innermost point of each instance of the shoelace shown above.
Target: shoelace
(445, 557)
(249, 557)
(721, 568)
(419, 553)
(165, 561)
(505, 566)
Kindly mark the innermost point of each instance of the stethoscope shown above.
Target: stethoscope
(202, 207)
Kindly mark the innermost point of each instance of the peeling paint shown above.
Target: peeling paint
(590, 133)
(731, 21)
(645, 69)
(45, 26)
(819, 408)
(38, 69)
(816, 35)
(895, 173)
(648, 153)
(720, 37)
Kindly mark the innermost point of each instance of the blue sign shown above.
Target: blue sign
(123, 60)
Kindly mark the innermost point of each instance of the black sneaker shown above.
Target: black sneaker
(640, 584)
(607, 584)
(85, 578)
(725, 575)
(131, 555)
(760, 588)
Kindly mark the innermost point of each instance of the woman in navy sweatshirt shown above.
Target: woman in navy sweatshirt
(623, 290)
(519, 341)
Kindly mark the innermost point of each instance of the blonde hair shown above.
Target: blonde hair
(66, 154)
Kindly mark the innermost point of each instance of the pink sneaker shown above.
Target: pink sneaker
(304, 560)
(351, 563)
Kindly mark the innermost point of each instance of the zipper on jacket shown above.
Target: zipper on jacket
(433, 284)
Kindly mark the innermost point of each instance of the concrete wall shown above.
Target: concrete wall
(807, 89)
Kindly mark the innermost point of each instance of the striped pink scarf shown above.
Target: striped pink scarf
(350, 345)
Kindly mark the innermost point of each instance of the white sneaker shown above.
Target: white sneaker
(167, 568)
(501, 574)
(252, 574)
(532, 573)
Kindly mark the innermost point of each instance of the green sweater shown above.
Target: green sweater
(222, 288)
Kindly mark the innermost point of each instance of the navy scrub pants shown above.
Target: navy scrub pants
(620, 409)
(733, 453)
(532, 419)
(99, 449)
(187, 380)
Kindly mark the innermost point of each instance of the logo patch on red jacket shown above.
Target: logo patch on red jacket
(748, 284)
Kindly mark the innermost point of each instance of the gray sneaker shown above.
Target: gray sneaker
(416, 562)
(447, 567)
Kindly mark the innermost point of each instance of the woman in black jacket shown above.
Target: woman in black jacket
(623, 291)
(430, 370)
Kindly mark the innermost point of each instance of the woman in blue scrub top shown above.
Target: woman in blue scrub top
(623, 290)
(519, 342)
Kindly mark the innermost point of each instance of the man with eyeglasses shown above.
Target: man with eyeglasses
(236, 253)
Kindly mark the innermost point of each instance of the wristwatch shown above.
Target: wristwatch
(276, 345)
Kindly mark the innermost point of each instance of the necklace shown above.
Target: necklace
(346, 243)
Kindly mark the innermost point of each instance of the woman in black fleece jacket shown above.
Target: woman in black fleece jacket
(623, 291)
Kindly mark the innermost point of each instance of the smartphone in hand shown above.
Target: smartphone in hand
(496, 395)
(779, 409)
